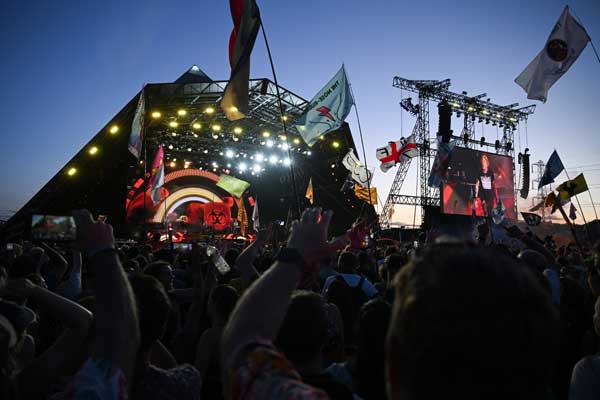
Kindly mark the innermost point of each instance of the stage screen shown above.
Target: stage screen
(476, 181)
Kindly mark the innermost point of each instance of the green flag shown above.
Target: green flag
(232, 185)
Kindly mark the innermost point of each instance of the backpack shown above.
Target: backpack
(349, 301)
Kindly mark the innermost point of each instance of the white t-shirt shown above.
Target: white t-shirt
(353, 280)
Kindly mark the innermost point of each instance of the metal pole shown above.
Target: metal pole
(296, 200)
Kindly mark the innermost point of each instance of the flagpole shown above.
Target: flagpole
(362, 143)
(296, 201)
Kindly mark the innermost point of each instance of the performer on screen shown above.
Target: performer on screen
(485, 188)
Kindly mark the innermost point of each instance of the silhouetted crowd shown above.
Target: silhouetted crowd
(313, 317)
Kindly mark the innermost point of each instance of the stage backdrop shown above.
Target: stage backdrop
(476, 181)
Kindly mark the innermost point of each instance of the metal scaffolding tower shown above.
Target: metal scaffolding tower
(538, 170)
(474, 109)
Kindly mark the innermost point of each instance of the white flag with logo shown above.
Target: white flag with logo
(566, 41)
(359, 172)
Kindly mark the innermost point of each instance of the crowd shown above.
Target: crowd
(312, 318)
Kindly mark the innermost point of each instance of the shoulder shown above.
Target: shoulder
(184, 377)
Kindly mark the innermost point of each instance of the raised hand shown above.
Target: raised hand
(309, 235)
(92, 236)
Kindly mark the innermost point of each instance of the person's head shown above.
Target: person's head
(27, 264)
(221, 302)
(470, 323)
(534, 260)
(162, 271)
(485, 163)
(347, 263)
(392, 264)
(153, 307)
(131, 266)
(303, 332)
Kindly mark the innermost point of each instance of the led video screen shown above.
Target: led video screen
(476, 182)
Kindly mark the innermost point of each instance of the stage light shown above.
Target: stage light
(215, 165)
(322, 137)
(174, 134)
(256, 168)
(172, 164)
(229, 153)
(156, 114)
(273, 159)
(485, 112)
(455, 105)
(196, 125)
(194, 135)
(173, 124)
(285, 147)
(285, 118)
(233, 109)
(174, 159)
(72, 171)
(215, 136)
(296, 141)
(186, 166)
(513, 119)
(308, 153)
(181, 112)
(332, 165)
(216, 127)
(228, 165)
(209, 110)
(335, 144)
(242, 167)
(220, 153)
(114, 129)
(259, 157)
(470, 109)
(270, 143)
(141, 162)
(236, 139)
(283, 137)
(206, 151)
(237, 130)
(287, 161)
(498, 115)
(266, 134)
(189, 149)
(93, 150)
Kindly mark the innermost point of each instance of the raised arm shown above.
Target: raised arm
(60, 359)
(117, 331)
(272, 291)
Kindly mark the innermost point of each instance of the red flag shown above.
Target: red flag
(246, 22)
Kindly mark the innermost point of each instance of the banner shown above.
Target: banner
(564, 45)
(136, 137)
(358, 171)
(396, 152)
(232, 185)
(157, 175)
(327, 110)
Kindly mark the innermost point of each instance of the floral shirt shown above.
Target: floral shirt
(259, 371)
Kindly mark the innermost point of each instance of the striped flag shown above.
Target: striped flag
(136, 137)
(246, 22)
(157, 176)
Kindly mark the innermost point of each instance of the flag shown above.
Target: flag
(362, 193)
(531, 219)
(242, 217)
(538, 206)
(157, 175)
(553, 168)
(246, 22)
(572, 212)
(136, 137)
(309, 192)
(327, 110)
(441, 162)
(359, 172)
(396, 152)
(566, 41)
(255, 216)
(571, 188)
(232, 185)
(348, 184)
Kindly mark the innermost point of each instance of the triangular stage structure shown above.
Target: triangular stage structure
(200, 144)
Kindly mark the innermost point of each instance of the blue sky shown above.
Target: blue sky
(69, 66)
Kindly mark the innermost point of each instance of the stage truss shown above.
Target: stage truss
(473, 108)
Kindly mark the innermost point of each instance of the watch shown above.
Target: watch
(290, 255)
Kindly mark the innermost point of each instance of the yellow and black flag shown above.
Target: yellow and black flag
(572, 187)
(362, 193)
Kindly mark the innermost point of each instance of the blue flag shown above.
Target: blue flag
(327, 110)
(554, 167)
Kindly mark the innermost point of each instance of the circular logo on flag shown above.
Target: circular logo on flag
(557, 50)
